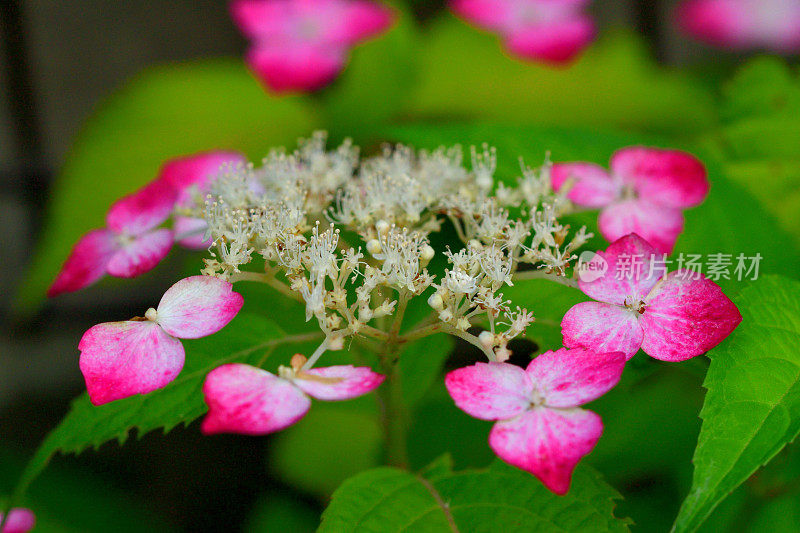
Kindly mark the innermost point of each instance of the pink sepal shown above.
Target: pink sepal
(490, 391)
(557, 42)
(198, 170)
(198, 306)
(86, 263)
(603, 328)
(143, 210)
(592, 186)
(190, 232)
(141, 255)
(658, 225)
(289, 67)
(20, 520)
(338, 382)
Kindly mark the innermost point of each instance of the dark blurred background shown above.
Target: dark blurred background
(57, 60)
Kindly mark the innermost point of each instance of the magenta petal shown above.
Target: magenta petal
(290, 66)
(718, 22)
(20, 520)
(143, 210)
(658, 225)
(247, 400)
(198, 306)
(490, 391)
(628, 276)
(360, 20)
(569, 378)
(338, 382)
(685, 317)
(141, 255)
(197, 170)
(86, 263)
(592, 185)
(548, 443)
(557, 42)
(603, 328)
(120, 359)
(489, 14)
(666, 177)
(190, 232)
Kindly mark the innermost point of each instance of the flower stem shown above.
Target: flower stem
(541, 274)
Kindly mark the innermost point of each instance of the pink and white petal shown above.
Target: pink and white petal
(569, 378)
(198, 306)
(665, 177)
(250, 401)
(141, 255)
(548, 443)
(686, 317)
(592, 186)
(557, 43)
(488, 14)
(338, 382)
(779, 27)
(359, 20)
(718, 22)
(296, 67)
(658, 225)
(86, 263)
(198, 170)
(20, 520)
(120, 359)
(262, 18)
(602, 327)
(190, 232)
(627, 273)
(143, 210)
(490, 391)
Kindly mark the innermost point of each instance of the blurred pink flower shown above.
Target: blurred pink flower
(251, 401)
(302, 45)
(645, 192)
(551, 31)
(672, 317)
(743, 24)
(20, 520)
(540, 428)
(120, 359)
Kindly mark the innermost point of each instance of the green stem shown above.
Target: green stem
(541, 274)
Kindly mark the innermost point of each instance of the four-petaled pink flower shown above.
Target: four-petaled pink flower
(742, 24)
(20, 520)
(190, 175)
(120, 359)
(302, 45)
(672, 317)
(251, 401)
(552, 31)
(540, 428)
(128, 246)
(645, 192)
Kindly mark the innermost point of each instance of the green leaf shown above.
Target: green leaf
(421, 363)
(164, 112)
(465, 73)
(752, 408)
(499, 498)
(277, 512)
(247, 339)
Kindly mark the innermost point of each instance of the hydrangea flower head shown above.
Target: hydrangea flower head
(540, 427)
(251, 401)
(552, 31)
(644, 192)
(129, 245)
(120, 359)
(302, 45)
(672, 317)
(743, 24)
(20, 520)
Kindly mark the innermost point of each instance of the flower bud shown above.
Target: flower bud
(374, 246)
(436, 301)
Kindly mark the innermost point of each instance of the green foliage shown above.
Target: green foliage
(275, 512)
(248, 339)
(421, 364)
(759, 137)
(499, 498)
(752, 408)
(465, 73)
(165, 112)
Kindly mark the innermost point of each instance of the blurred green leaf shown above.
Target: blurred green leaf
(164, 112)
(331, 443)
(421, 363)
(247, 339)
(780, 515)
(275, 513)
(465, 73)
(376, 83)
(752, 408)
(500, 498)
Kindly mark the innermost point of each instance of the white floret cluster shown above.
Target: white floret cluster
(351, 237)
